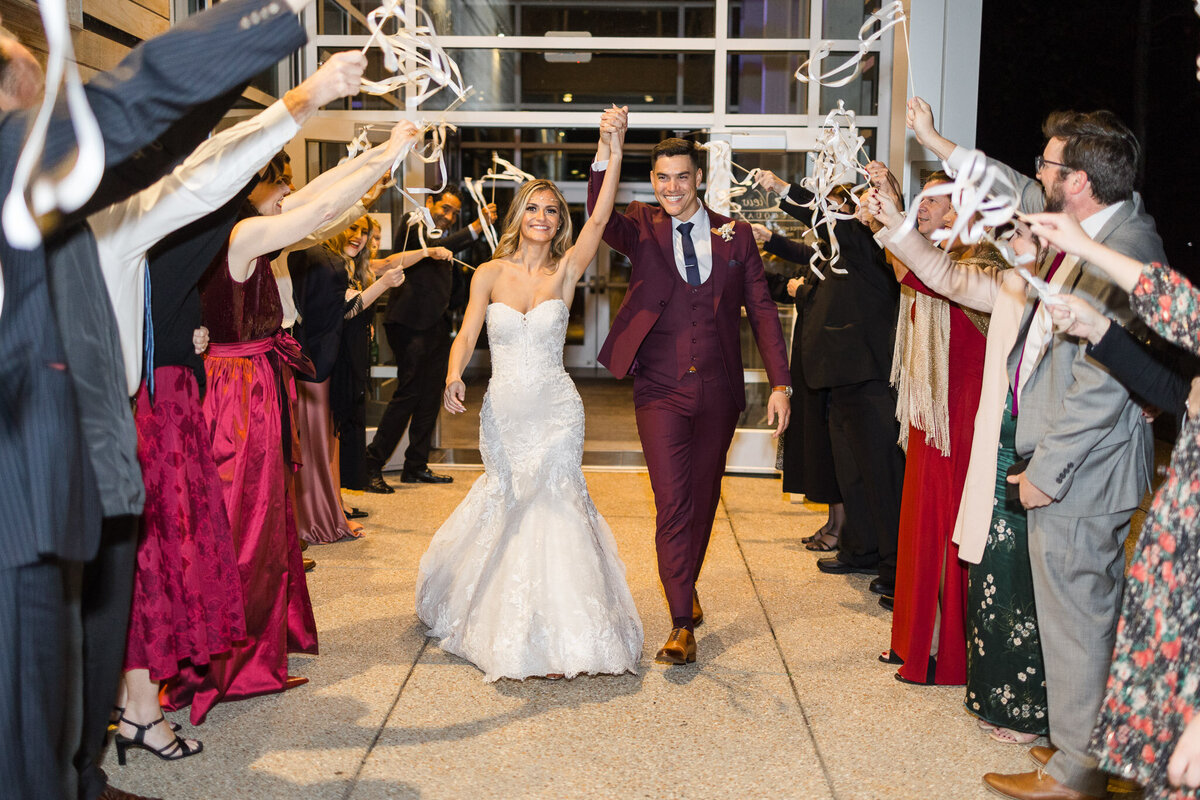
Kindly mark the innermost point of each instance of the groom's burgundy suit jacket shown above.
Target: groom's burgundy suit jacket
(643, 233)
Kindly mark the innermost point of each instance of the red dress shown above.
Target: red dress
(931, 582)
(187, 598)
(247, 409)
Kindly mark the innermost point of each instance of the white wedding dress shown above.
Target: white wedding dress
(524, 578)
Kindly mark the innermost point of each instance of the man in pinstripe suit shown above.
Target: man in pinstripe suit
(67, 442)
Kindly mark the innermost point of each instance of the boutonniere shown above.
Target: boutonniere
(725, 231)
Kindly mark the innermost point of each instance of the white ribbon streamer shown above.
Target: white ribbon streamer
(722, 188)
(836, 155)
(50, 191)
(509, 172)
(983, 200)
(427, 68)
(887, 17)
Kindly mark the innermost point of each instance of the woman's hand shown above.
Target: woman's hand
(403, 134)
(453, 397)
(440, 254)
(392, 278)
(793, 286)
(770, 181)
(1060, 230)
(1077, 317)
(1184, 767)
(883, 208)
(762, 234)
(200, 339)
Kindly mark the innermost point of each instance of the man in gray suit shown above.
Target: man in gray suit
(1089, 449)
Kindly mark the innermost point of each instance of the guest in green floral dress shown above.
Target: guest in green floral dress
(1154, 682)
(1006, 684)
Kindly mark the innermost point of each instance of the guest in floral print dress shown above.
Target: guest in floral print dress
(1154, 683)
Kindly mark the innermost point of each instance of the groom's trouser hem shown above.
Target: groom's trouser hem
(685, 430)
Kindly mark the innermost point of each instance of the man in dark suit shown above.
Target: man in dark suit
(678, 332)
(68, 441)
(846, 347)
(417, 324)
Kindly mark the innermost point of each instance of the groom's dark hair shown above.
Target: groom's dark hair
(677, 147)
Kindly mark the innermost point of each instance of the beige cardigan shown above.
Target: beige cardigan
(1001, 293)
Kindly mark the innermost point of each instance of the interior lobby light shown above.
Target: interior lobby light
(568, 97)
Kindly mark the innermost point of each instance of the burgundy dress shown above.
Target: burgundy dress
(187, 598)
(931, 582)
(248, 412)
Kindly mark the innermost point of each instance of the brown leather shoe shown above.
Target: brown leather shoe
(309, 564)
(1032, 786)
(697, 611)
(679, 649)
(1041, 754)
(293, 681)
(113, 793)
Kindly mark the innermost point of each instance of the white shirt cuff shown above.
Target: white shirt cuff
(957, 158)
(600, 166)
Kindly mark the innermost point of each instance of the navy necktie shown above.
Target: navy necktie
(690, 263)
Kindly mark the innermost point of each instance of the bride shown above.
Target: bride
(524, 578)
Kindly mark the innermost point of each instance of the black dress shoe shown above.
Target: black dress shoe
(880, 586)
(356, 513)
(377, 485)
(424, 476)
(887, 603)
(834, 567)
(113, 793)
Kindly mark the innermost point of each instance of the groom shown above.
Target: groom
(677, 333)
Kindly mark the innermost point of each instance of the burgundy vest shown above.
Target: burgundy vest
(685, 339)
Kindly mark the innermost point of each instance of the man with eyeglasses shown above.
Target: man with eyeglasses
(1089, 451)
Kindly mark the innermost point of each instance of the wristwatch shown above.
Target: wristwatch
(787, 390)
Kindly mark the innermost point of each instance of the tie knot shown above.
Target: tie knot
(685, 229)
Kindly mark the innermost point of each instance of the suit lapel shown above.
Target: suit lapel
(721, 250)
(664, 232)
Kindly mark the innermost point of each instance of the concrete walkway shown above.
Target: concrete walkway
(787, 699)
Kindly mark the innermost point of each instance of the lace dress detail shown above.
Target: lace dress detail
(524, 577)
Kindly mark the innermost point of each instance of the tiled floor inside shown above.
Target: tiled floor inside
(787, 699)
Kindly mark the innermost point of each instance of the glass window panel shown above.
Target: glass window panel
(842, 19)
(525, 80)
(625, 18)
(765, 83)
(768, 19)
(861, 94)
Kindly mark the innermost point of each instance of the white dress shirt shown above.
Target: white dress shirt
(701, 240)
(204, 182)
(1041, 327)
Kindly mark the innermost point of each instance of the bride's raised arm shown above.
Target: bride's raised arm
(468, 335)
(580, 255)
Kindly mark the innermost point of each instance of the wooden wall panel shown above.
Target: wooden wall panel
(128, 16)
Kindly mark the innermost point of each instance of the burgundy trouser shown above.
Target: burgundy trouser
(685, 428)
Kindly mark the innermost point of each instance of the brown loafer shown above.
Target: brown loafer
(697, 611)
(679, 649)
(1041, 754)
(1032, 786)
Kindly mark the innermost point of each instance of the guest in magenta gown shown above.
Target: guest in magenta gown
(249, 409)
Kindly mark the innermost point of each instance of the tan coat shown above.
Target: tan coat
(1002, 294)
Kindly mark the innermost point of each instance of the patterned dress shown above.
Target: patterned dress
(1154, 681)
(1006, 682)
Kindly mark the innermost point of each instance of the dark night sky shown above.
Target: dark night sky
(1042, 55)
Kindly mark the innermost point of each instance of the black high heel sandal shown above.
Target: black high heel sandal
(174, 750)
(115, 717)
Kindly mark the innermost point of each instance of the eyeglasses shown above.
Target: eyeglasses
(1039, 163)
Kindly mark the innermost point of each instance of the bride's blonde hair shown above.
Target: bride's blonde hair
(510, 238)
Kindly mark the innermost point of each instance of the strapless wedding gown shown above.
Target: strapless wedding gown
(524, 578)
